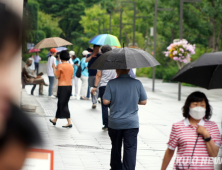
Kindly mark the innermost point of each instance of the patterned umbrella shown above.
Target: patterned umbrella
(105, 39)
(52, 42)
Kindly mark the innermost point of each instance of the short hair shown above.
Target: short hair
(19, 127)
(64, 55)
(105, 48)
(197, 97)
(10, 27)
(96, 45)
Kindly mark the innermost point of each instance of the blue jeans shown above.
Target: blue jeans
(37, 67)
(51, 82)
(88, 92)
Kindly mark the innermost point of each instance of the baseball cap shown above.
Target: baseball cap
(72, 53)
(84, 53)
(53, 50)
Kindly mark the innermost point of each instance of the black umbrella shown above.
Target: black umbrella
(206, 72)
(124, 58)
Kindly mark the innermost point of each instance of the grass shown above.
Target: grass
(42, 62)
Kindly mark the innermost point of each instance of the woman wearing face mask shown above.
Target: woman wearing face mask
(197, 139)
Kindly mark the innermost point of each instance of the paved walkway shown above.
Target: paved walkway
(87, 147)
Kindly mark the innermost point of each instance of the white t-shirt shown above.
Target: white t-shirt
(51, 60)
(69, 61)
(107, 75)
(32, 67)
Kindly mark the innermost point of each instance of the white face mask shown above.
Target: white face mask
(197, 112)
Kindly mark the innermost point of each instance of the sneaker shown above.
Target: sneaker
(99, 100)
(94, 106)
(105, 128)
(83, 98)
(52, 96)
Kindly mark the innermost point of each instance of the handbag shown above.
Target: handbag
(177, 168)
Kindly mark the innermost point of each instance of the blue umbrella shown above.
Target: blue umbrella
(59, 49)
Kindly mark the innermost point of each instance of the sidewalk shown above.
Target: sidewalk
(87, 147)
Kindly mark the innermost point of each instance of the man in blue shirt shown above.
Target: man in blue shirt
(76, 62)
(90, 59)
(124, 94)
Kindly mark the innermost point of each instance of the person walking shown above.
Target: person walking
(91, 58)
(50, 73)
(64, 73)
(123, 94)
(56, 82)
(37, 58)
(76, 62)
(32, 67)
(196, 138)
(102, 78)
(84, 76)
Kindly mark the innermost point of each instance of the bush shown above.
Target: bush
(36, 36)
(25, 57)
(158, 72)
(43, 54)
(143, 72)
(169, 73)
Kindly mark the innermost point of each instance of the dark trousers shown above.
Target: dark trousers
(37, 68)
(104, 107)
(129, 138)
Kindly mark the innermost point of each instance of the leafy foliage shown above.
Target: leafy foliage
(74, 21)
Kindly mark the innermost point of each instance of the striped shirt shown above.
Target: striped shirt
(184, 135)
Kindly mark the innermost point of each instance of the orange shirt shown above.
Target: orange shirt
(65, 72)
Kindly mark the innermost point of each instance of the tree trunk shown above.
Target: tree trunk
(218, 38)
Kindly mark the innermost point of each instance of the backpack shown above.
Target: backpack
(79, 71)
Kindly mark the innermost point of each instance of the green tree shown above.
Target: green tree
(49, 24)
(91, 26)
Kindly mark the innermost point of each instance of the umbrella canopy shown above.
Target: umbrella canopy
(59, 49)
(52, 42)
(34, 50)
(124, 58)
(105, 39)
(206, 72)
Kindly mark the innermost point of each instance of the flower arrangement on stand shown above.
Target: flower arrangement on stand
(180, 51)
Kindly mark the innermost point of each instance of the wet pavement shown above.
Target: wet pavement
(87, 147)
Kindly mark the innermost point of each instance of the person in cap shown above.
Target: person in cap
(102, 78)
(55, 84)
(50, 73)
(64, 74)
(76, 62)
(84, 76)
